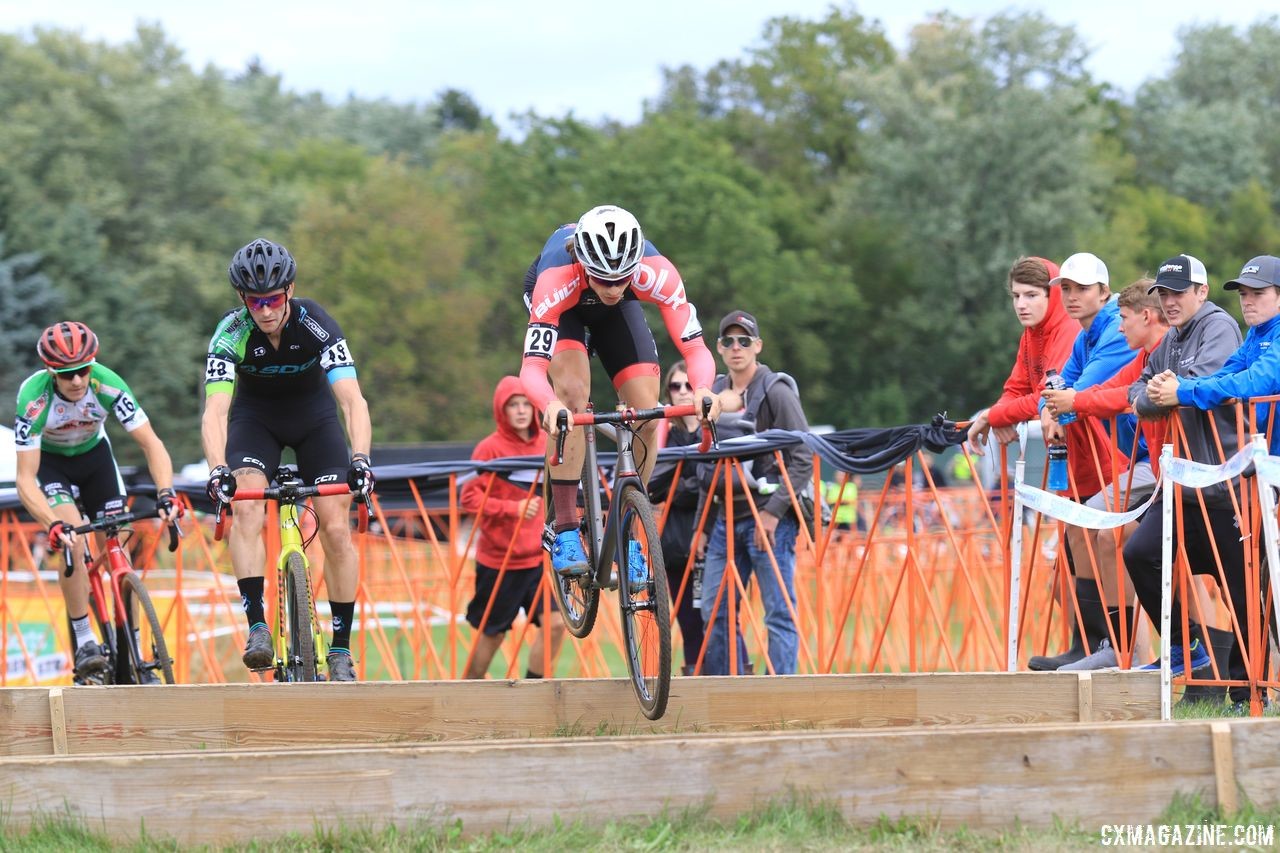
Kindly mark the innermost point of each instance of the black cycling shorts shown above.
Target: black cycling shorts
(92, 477)
(517, 592)
(618, 333)
(259, 429)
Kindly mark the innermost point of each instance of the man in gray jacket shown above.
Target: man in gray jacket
(1201, 337)
(777, 403)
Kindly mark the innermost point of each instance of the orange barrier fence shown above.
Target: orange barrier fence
(920, 584)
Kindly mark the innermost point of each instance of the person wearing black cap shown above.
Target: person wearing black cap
(776, 402)
(1201, 338)
(1252, 371)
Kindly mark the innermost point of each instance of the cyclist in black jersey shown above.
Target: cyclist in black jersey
(286, 361)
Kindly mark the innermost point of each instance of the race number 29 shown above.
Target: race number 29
(540, 340)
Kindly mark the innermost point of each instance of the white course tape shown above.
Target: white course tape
(1197, 475)
(1065, 509)
(1268, 470)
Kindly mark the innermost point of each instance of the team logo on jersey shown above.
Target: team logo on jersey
(35, 407)
(554, 298)
(259, 352)
(316, 328)
(654, 282)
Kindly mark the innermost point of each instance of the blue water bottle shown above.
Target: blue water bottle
(1058, 468)
(1054, 380)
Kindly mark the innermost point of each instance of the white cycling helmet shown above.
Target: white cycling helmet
(608, 242)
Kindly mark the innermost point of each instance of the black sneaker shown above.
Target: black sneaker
(258, 651)
(91, 660)
(1241, 708)
(341, 667)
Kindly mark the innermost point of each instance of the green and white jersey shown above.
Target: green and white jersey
(46, 421)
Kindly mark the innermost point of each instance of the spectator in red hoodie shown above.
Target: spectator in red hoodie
(1048, 334)
(509, 543)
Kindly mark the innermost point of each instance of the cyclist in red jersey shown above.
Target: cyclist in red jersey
(591, 277)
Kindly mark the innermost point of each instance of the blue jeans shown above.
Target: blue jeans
(783, 637)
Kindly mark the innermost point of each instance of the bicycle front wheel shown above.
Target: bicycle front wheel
(144, 638)
(301, 665)
(577, 597)
(645, 603)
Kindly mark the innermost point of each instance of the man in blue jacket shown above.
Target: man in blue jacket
(1253, 370)
(1099, 352)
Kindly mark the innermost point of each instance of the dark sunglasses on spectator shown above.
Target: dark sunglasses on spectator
(79, 371)
(677, 387)
(744, 341)
(262, 303)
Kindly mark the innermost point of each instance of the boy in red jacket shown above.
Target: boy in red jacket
(509, 542)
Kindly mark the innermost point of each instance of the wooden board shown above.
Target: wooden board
(249, 716)
(980, 777)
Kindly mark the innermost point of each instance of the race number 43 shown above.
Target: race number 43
(540, 340)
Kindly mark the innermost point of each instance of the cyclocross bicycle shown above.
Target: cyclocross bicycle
(132, 635)
(610, 535)
(300, 645)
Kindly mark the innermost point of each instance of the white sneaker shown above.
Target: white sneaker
(1103, 658)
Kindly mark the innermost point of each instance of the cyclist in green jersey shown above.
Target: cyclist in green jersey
(63, 451)
(276, 366)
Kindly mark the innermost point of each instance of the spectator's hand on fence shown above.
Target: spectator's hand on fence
(1005, 435)
(1163, 389)
(221, 487)
(978, 431)
(530, 507)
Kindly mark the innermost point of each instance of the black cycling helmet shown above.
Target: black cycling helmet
(261, 267)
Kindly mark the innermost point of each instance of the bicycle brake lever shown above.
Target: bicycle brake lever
(175, 535)
(71, 565)
(562, 421)
(218, 513)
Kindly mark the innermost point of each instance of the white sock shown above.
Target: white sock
(84, 634)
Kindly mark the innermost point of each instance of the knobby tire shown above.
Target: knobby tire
(135, 596)
(646, 614)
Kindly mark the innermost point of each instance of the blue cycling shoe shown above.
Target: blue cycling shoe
(567, 556)
(637, 567)
(1177, 666)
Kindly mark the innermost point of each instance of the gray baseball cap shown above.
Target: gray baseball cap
(1262, 271)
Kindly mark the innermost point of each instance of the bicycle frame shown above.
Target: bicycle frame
(287, 495)
(126, 657)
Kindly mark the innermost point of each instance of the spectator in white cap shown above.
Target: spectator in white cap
(1099, 352)
(1201, 337)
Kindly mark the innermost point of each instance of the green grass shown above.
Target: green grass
(797, 825)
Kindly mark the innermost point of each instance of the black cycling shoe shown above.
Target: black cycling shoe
(148, 676)
(341, 667)
(258, 651)
(90, 661)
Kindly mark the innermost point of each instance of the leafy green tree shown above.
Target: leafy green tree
(28, 303)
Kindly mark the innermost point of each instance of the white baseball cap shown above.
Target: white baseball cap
(1084, 268)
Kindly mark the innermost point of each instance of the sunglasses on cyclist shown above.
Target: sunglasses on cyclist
(744, 341)
(266, 303)
(677, 387)
(83, 370)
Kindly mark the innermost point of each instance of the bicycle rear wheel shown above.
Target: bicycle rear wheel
(301, 663)
(144, 636)
(577, 597)
(646, 609)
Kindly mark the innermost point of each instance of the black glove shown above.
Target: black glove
(360, 475)
(221, 487)
(166, 500)
(56, 532)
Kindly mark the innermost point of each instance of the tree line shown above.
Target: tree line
(864, 202)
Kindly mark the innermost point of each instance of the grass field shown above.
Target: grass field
(797, 825)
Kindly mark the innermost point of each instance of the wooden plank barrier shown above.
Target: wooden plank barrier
(259, 716)
(979, 777)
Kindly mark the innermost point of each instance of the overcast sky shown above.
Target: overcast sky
(598, 58)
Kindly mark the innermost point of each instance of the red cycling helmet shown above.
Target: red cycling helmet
(67, 346)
